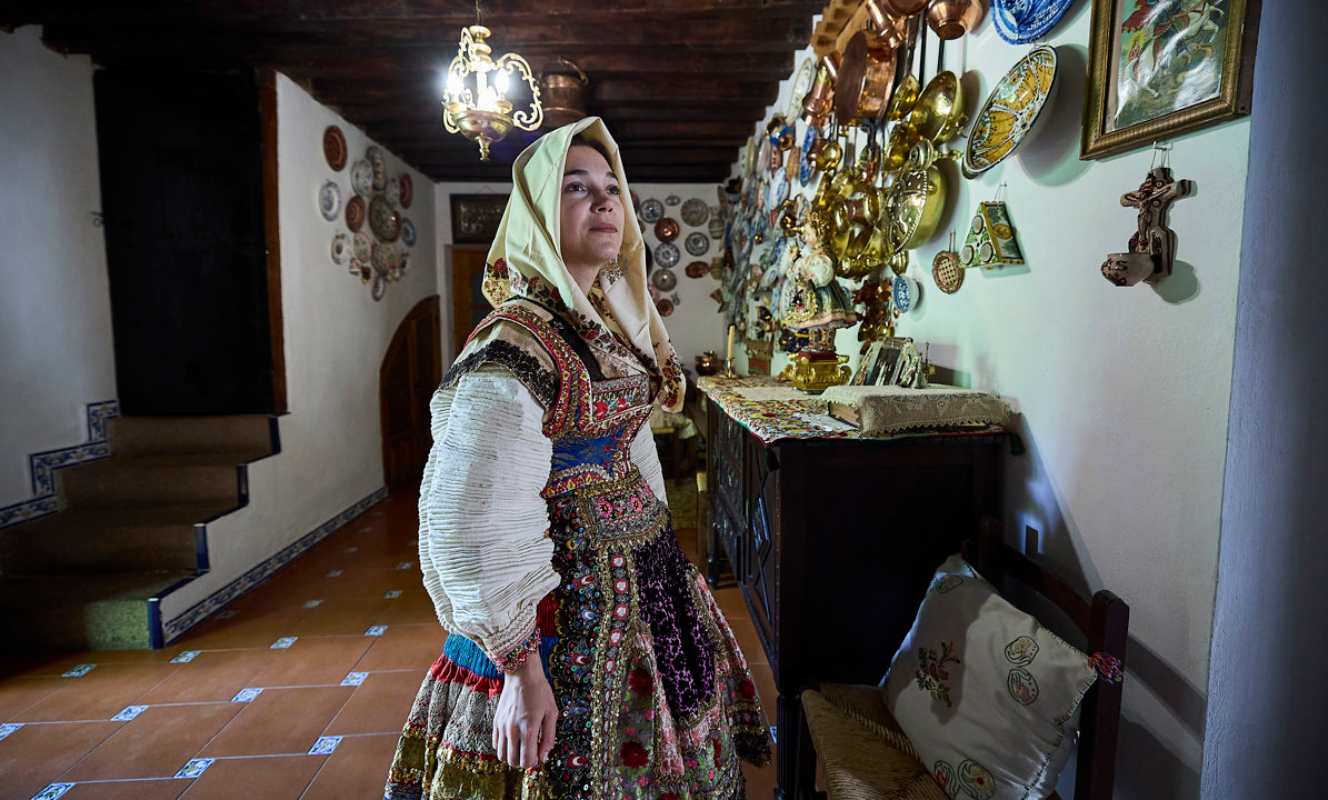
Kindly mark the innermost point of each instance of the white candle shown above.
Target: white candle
(729, 357)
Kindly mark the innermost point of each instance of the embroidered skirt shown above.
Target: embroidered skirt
(654, 696)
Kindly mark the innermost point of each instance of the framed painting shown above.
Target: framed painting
(1162, 67)
(475, 217)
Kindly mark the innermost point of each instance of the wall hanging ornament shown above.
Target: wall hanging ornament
(991, 238)
(329, 200)
(695, 212)
(946, 269)
(1152, 250)
(334, 148)
(355, 213)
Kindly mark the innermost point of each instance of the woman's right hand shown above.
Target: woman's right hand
(523, 726)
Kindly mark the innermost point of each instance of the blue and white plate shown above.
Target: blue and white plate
(408, 232)
(805, 166)
(1024, 21)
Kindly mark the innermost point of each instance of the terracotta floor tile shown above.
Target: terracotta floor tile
(731, 602)
(409, 609)
(313, 661)
(130, 790)
(338, 620)
(357, 770)
(283, 778)
(19, 694)
(379, 705)
(280, 721)
(35, 755)
(405, 647)
(250, 628)
(212, 675)
(156, 744)
(100, 694)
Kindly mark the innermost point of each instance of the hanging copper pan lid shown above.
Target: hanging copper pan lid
(905, 8)
(866, 77)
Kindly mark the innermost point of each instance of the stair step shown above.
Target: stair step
(91, 612)
(252, 435)
(157, 479)
(90, 540)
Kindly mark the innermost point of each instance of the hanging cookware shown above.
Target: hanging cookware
(915, 201)
(902, 139)
(952, 19)
(563, 95)
(820, 99)
(939, 113)
(867, 75)
(667, 229)
(905, 8)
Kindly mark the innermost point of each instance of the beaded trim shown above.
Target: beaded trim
(542, 383)
(514, 660)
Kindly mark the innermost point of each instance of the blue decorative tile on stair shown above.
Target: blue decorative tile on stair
(284, 643)
(375, 630)
(246, 695)
(405, 565)
(128, 713)
(325, 746)
(185, 656)
(42, 466)
(194, 767)
(336, 573)
(78, 670)
(53, 791)
(354, 678)
(312, 603)
(8, 728)
(392, 595)
(173, 628)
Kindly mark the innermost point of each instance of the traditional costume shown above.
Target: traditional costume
(544, 533)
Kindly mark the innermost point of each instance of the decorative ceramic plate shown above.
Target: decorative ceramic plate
(667, 229)
(652, 211)
(384, 220)
(697, 244)
(382, 257)
(1011, 111)
(664, 306)
(904, 294)
(334, 148)
(1024, 21)
(363, 246)
(355, 213)
(407, 233)
(379, 165)
(697, 269)
(393, 191)
(340, 248)
(664, 279)
(407, 190)
(695, 211)
(667, 255)
(806, 168)
(672, 200)
(361, 178)
(329, 200)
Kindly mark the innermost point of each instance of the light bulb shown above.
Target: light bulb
(454, 85)
(500, 82)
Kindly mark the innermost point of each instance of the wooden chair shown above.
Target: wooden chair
(1103, 620)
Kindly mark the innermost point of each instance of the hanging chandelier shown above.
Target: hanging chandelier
(476, 105)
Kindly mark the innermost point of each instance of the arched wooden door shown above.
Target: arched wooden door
(411, 370)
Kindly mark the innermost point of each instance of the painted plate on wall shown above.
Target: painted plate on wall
(667, 255)
(407, 190)
(664, 279)
(329, 200)
(695, 212)
(672, 200)
(393, 191)
(377, 162)
(363, 246)
(341, 248)
(664, 306)
(334, 148)
(361, 178)
(1024, 21)
(666, 230)
(407, 233)
(384, 220)
(697, 244)
(1011, 111)
(652, 211)
(697, 269)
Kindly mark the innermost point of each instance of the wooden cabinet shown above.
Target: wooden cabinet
(833, 543)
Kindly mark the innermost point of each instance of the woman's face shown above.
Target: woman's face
(592, 214)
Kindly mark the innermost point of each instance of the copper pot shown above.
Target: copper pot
(954, 18)
(905, 8)
(820, 99)
(866, 77)
(563, 96)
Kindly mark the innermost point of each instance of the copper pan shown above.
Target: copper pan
(954, 18)
(905, 8)
(866, 77)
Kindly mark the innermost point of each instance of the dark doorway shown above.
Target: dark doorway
(411, 371)
(182, 193)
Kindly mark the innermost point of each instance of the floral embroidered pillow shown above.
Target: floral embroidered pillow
(988, 697)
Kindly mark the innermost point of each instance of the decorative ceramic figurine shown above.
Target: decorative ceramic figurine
(1153, 246)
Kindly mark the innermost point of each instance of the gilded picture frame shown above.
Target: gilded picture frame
(1158, 68)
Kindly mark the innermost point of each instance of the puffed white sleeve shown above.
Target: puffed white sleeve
(646, 459)
(484, 545)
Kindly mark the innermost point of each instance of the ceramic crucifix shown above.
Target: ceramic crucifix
(1153, 246)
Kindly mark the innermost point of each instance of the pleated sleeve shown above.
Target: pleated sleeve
(645, 456)
(484, 546)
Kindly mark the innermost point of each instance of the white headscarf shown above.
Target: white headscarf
(528, 245)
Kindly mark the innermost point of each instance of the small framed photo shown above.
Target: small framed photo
(475, 217)
(1162, 67)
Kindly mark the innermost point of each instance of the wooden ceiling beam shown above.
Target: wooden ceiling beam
(652, 91)
(431, 112)
(626, 130)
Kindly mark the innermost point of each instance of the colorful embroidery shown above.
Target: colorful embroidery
(542, 383)
(975, 780)
(1108, 667)
(1023, 687)
(1021, 651)
(932, 675)
(944, 774)
(514, 660)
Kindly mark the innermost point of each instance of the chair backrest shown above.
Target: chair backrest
(1103, 620)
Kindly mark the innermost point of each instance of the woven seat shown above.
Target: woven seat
(857, 750)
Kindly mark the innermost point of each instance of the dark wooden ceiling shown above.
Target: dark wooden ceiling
(679, 82)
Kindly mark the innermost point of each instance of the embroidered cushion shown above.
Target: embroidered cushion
(988, 697)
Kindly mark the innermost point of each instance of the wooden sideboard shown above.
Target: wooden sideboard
(833, 542)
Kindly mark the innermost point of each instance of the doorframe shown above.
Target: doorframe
(267, 113)
(424, 307)
(449, 278)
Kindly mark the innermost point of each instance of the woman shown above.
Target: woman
(586, 656)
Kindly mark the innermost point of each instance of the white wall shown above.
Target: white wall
(694, 326)
(335, 340)
(1122, 393)
(55, 308)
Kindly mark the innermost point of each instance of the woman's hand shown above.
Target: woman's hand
(523, 726)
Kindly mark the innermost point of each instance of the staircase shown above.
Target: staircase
(132, 529)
